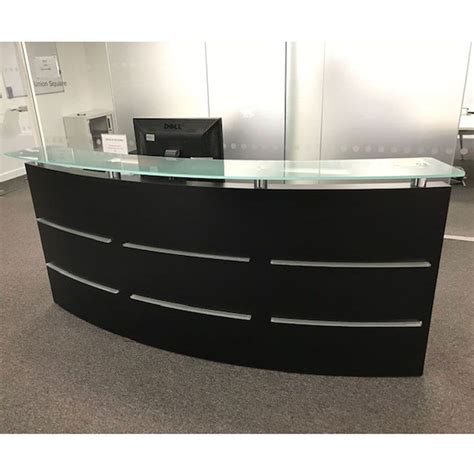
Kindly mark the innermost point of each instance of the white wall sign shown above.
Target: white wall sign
(47, 67)
(114, 143)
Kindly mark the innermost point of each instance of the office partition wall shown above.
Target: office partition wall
(69, 79)
(157, 80)
(299, 100)
(304, 99)
(469, 92)
(247, 89)
(18, 128)
(392, 99)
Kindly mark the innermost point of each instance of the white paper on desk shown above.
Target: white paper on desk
(114, 143)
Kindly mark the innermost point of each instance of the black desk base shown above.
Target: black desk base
(325, 281)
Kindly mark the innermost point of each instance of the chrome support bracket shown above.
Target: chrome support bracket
(260, 184)
(418, 183)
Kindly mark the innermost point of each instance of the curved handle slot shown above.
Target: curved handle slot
(69, 230)
(190, 309)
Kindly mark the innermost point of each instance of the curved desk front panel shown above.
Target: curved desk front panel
(329, 281)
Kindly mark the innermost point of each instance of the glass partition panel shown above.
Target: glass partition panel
(304, 99)
(247, 89)
(72, 89)
(157, 80)
(392, 99)
(468, 103)
(17, 121)
(299, 100)
(466, 123)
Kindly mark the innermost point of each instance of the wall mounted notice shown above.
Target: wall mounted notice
(114, 143)
(45, 68)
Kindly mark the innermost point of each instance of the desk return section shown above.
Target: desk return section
(327, 281)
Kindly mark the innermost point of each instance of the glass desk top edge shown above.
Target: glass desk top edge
(374, 169)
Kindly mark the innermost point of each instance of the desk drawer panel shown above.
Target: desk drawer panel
(194, 280)
(83, 256)
(348, 294)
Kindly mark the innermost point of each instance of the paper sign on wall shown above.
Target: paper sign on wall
(47, 67)
(114, 143)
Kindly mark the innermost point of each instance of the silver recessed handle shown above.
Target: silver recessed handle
(69, 230)
(309, 263)
(72, 276)
(190, 309)
(412, 323)
(183, 253)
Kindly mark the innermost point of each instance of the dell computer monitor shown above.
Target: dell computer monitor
(184, 138)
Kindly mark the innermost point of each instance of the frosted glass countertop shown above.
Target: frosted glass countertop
(374, 169)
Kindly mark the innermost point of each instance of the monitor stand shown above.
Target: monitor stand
(171, 153)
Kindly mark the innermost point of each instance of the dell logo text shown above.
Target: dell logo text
(174, 126)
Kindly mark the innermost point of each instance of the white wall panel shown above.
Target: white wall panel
(395, 99)
(157, 80)
(247, 89)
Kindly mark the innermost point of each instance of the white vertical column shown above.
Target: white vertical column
(304, 99)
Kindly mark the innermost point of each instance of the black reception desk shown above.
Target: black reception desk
(324, 267)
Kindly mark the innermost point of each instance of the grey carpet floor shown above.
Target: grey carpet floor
(59, 374)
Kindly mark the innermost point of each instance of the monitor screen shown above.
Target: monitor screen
(184, 138)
